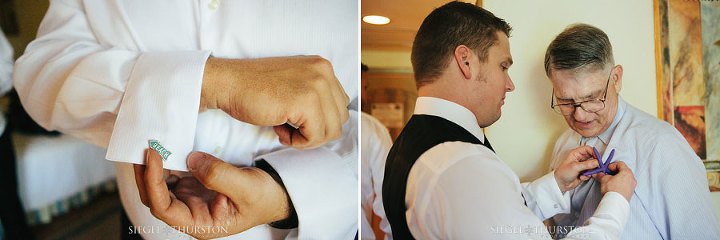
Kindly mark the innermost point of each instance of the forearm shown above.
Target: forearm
(81, 91)
(212, 86)
(286, 217)
(73, 92)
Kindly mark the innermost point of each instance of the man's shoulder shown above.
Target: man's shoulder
(650, 129)
(372, 128)
(447, 155)
(652, 136)
(369, 121)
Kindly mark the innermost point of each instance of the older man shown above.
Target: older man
(671, 199)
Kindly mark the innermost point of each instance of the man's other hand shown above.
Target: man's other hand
(623, 182)
(280, 92)
(568, 173)
(219, 200)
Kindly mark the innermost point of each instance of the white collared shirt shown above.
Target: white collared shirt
(119, 73)
(6, 66)
(458, 190)
(375, 143)
(671, 199)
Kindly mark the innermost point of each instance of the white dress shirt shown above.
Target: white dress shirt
(6, 66)
(458, 190)
(119, 73)
(376, 143)
(671, 199)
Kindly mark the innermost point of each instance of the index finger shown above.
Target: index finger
(311, 130)
(599, 176)
(581, 153)
(140, 181)
(585, 165)
(157, 190)
(618, 166)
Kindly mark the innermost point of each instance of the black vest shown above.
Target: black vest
(420, 134)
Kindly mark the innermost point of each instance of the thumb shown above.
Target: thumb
(214, 173)
(588, 165)
(599, 176)
(616, 166)
(248, 188)
(580, 154)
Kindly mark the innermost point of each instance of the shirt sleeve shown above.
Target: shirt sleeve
(544, 198)
(322, 184)
(116, 98)
(607, 222)
(673, 188)
(492, 208)
(376, 144)
(6, 64)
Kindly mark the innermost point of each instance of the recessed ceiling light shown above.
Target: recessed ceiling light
(375, 19)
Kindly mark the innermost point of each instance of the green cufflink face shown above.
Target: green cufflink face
(164, 153)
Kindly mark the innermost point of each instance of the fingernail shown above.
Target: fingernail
(193, 161)
(151, 153)
(146, 156)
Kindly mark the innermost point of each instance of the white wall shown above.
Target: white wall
(387, 59)
(528, 123)
(525, 134)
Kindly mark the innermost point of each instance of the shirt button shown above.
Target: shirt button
(556, 206)
(213, 4)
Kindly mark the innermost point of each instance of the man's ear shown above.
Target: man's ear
(462, 59)
(616, 77)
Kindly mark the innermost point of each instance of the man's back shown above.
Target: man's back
(420, 134)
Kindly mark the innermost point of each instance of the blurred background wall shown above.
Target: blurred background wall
(28, 13)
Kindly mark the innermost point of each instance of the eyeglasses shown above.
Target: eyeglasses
(590, 106)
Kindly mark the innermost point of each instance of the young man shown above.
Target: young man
(442, 178)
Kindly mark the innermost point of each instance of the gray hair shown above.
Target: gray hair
(579, 45)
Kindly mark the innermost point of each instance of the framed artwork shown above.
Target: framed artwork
(687, 54)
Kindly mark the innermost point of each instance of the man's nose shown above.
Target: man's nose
(581, 115)
(509, 86)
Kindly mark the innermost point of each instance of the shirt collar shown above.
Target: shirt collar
(605, 136)
(452, 112)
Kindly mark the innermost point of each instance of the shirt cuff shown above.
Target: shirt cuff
(549, 199)
(323, 189)
(161, 103)
(615, 205)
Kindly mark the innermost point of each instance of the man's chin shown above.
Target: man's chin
(488, 123)
(587, 132)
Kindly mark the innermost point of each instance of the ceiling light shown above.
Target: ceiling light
(375, 19)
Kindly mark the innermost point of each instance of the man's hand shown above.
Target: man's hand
(220, 200)
(299, 90)
(623, 182)
(568, 174)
